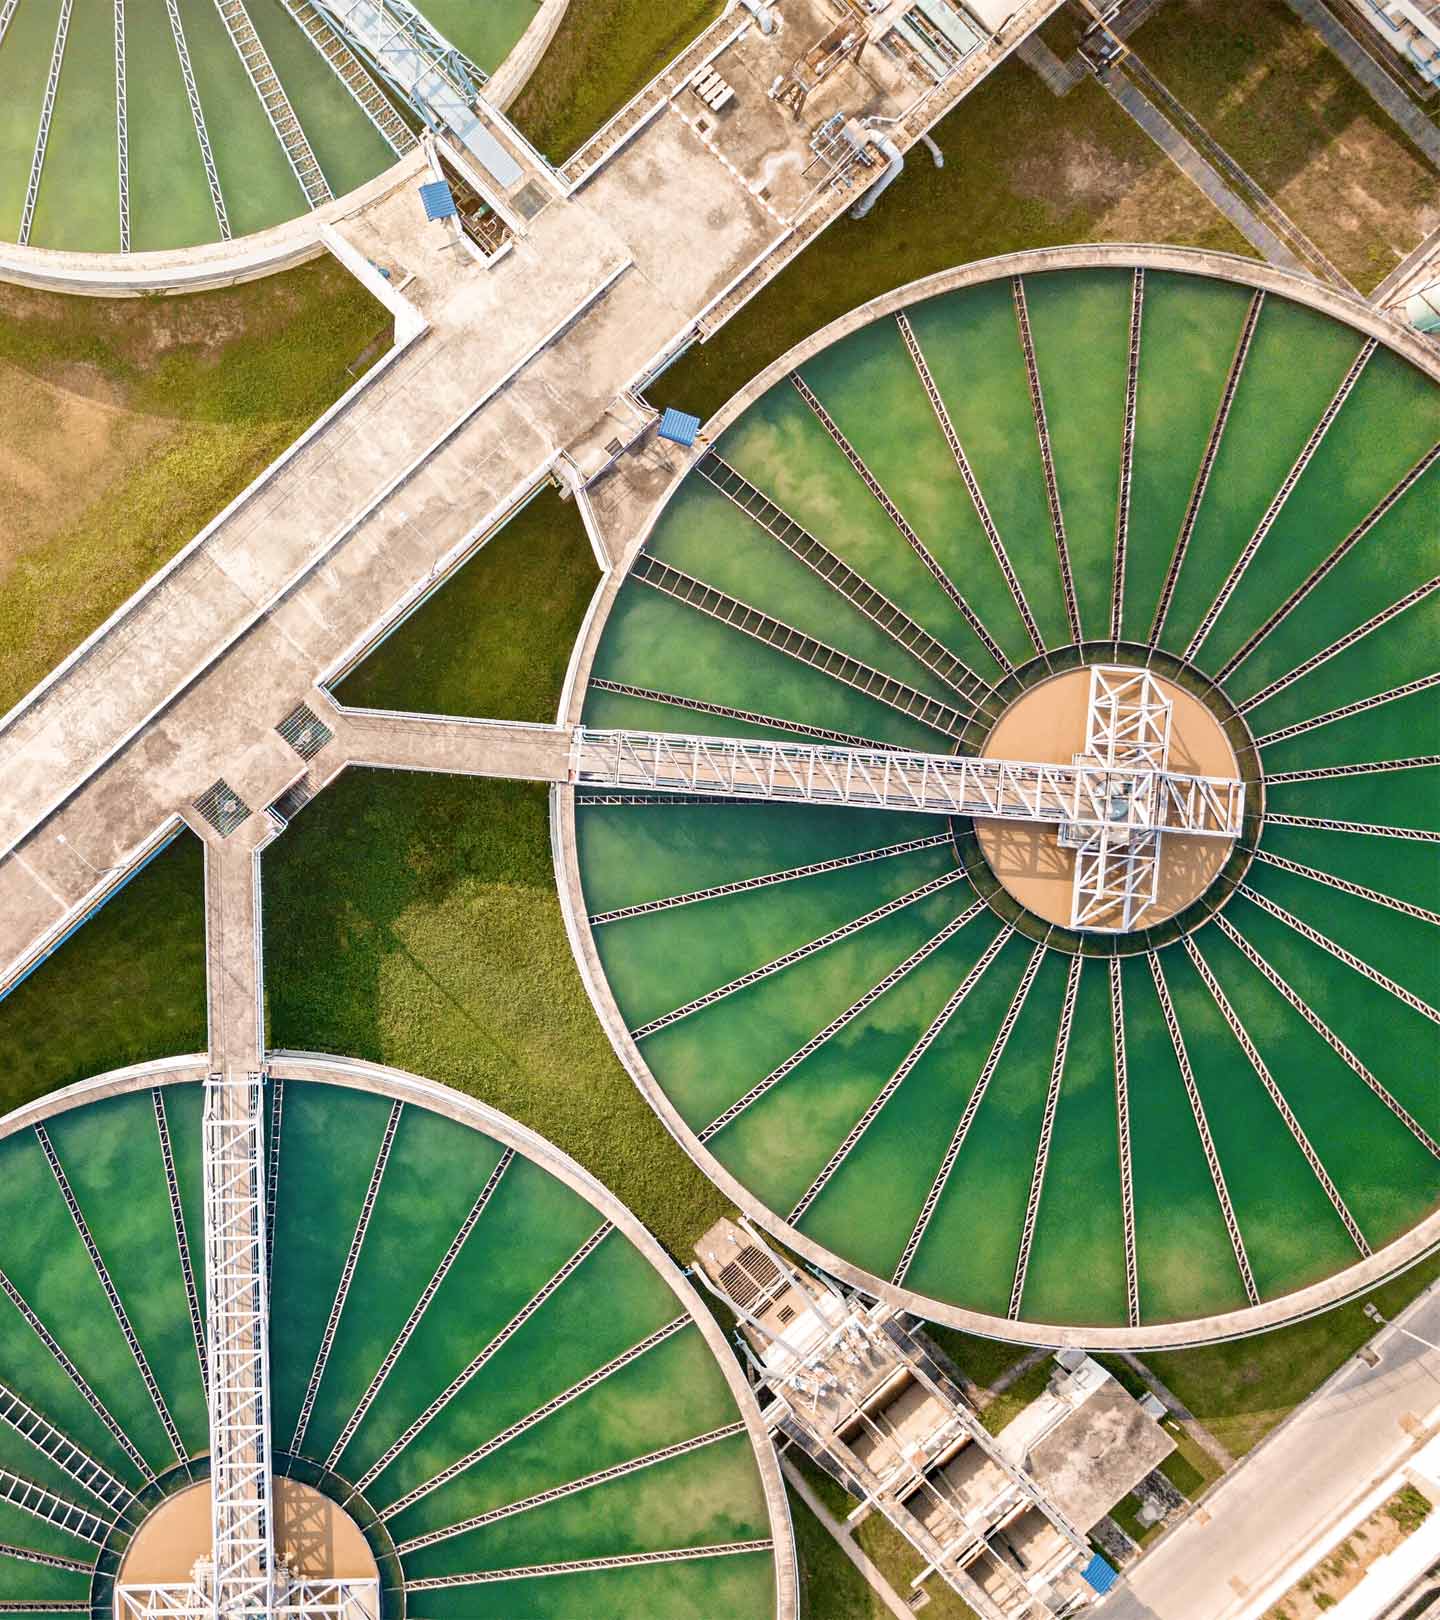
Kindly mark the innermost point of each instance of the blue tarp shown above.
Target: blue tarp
(680, 427)
(1099, 1574)
(439, 203)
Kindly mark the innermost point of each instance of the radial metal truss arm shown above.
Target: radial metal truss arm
(1087, 796)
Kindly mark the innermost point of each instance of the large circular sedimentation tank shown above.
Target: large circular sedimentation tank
(68, 54)
(489, 1384)
(878, 1030)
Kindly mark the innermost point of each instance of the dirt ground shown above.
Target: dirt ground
(1345, 1568)
(1270, 91)
(39, 492)
(313, 1537)
(130, 422)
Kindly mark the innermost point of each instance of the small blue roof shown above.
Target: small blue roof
(438, 200)
(1099, 1574)
(679, 426)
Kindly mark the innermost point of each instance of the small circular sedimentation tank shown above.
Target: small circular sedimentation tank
(152, 103)
(490, 1388)
(880, 1031)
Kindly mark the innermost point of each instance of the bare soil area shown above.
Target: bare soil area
(130, 422)
(1346, 1567)
(1270, 91)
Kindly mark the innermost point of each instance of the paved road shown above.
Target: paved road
(1354, 1430)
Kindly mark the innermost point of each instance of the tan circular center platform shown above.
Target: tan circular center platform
(313, 1538)
(1047, 725)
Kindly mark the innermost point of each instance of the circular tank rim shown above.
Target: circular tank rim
(209, 265)
(401, 1085)
(1397, 1256)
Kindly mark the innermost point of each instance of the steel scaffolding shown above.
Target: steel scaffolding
(243, 1578)
(1090, 796)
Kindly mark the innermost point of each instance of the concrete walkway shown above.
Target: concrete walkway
(233, 951)
(507, 374)
(1388, 95)
(1267, 1521)
(1185, 157)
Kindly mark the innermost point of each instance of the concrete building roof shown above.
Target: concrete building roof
(1098, 1453)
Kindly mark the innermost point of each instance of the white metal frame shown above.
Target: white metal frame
(242, 1578)
(236, 1315)
(312, 1599)
(1117, 871)
(1086, 796)
(1112, 804)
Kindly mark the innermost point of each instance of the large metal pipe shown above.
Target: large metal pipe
(762, 13)
(895, 162)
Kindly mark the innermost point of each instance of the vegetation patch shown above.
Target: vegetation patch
(412, 919)
(1270, 91)
(136, 421)
(495, 640)
(831, 1588)
(604, 52)
(1241, 1390)
(128, 988)
(1343, 1570)
(1080, 171)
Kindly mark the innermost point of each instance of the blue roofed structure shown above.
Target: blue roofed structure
(439, 200)
(679, 426)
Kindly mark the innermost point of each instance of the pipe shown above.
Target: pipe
(934, 150)
(762, 13)
(895, 162)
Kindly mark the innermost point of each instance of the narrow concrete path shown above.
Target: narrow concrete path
(878, 1584)
(232, 949)
(1185, 157)
(427, 742)
(1011, 1375)
(1060, 77)
(1389, 96)
(1420, 266)
(1186, 1418)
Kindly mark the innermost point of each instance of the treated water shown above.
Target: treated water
(512, 1358)
(1329, 587)
(78, 205)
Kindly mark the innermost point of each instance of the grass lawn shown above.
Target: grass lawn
(412, 919)
(1023, 169)
(831, 1588)
(460, 653)
(603, 53)
(981, 1360)
(129, 986)
(131, 422)
(883, 1544)
(1275, 97)
(1241, 1390)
